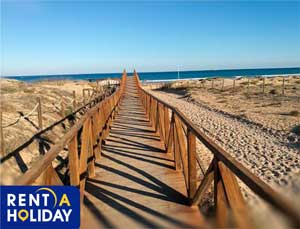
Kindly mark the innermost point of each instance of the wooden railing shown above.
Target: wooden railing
(43, 131)
(83, 141)
(179, 135)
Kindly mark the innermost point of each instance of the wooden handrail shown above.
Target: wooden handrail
(102, 112)
(224, 162)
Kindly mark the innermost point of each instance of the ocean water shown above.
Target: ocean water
(165, 76)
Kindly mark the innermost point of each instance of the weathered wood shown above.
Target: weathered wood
(91, 156)
(182, 147)
(73, 161)
(192, 172)
(166, 122)
(177, 159)
(84, 153)
(50, 177)
(95, 133)
(222, 211)
(74, 100)
(161, 124)
(47, 176)
(235, 197)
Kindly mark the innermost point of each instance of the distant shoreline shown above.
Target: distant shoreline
(202, 78)
(168, 76)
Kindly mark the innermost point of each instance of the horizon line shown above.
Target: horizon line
(193, 70)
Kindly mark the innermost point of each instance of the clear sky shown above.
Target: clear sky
(49, 37)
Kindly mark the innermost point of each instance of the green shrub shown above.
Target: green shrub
(296, 130)
(294, 113)
(68, 110)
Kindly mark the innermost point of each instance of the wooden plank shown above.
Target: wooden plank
(182, 147)
(50, 177)
(166, 122)
(73, 161)
(160, 122)
(84, 153)
(222, 211)
(170, 143)
(47, 176)
(91, 156)
(192, 172)
(177, 158)
(95, 134)
(235, 198)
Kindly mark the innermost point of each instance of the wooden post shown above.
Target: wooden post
(283, 79)
(212, 83)
(39, 110)
(248, 86)
(2, 149)
(192, 178)
(222, 84)
(83, 95)
(84, 155)
(182, 147)
(74, 100)
(91, 156)
(176, 149)
(167, 123)
(263, 88)
(73, 161)
(233, 89)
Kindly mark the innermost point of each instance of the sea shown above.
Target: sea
(167, 76)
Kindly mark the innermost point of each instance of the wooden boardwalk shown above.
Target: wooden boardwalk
(136, 184)
(145, 175)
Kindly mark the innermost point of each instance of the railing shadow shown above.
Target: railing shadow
(109, 197)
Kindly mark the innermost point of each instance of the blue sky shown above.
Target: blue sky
(49, 37)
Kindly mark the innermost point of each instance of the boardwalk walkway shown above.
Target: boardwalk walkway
(136, 184)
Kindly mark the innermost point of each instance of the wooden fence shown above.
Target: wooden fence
(246, 85)
(59, 108)
(83, 141)
(179, 136)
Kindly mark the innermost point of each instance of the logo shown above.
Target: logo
(40, 206)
